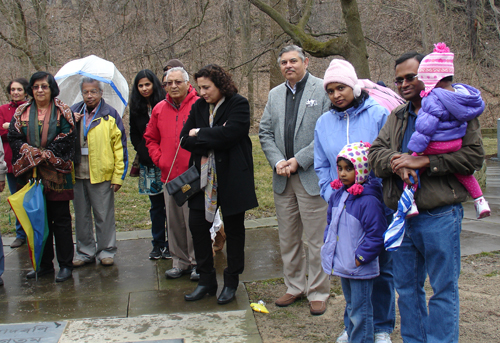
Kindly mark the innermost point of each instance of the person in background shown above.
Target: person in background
(216, 134)
(42, 135)
(173, 63)
(147, 91)
(99, 174)
(3, 171)
(162, 140)
(18, 90)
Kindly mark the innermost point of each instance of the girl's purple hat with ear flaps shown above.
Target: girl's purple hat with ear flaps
(342, 72)
(435, 67)
(357, 154)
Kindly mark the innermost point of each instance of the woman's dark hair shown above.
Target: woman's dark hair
(355, 103)
(139, 104)
(349, 163)
(221, 79)
(54, 88)
(21, 81)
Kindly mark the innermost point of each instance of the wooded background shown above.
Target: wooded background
(239, 35)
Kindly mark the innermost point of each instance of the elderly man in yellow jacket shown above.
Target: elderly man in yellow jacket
(99, 174)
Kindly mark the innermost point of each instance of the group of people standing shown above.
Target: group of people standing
(340, 163)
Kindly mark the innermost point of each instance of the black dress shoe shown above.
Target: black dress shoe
(200, 292)
(227, 295)
(64, 274)
(41, 272)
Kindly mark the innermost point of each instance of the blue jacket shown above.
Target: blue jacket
(355, 225)
(336, 129)
(444, 116)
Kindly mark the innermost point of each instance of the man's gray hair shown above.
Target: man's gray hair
(185, 75)
(87, 79)
(290, 48)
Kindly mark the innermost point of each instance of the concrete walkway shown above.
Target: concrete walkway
(133, 302)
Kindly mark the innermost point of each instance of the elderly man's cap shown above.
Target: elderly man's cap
(172, 64)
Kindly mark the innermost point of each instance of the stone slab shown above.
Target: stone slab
(48, 332)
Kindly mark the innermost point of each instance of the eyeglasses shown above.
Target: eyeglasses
(37, 87)
(170, 83)
(92, 91)
(409, 78)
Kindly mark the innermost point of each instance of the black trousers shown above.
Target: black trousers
(59, 219)
(234, 227)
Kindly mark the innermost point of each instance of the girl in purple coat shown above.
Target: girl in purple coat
(442, 120)
(353, 237)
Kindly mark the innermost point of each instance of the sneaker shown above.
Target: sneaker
(382, 337)
(194, 275)
(17, 243)
(80, 263)
(156, 253)
(165, 253)
(343, 338)
(482, 208)
(107, 261)
(175, 273)
(413, 210)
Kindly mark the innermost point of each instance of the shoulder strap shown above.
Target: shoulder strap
(175, 157)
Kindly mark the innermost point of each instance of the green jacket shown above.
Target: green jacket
(438, 185)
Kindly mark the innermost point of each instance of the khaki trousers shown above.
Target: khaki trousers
(301, 214)
(180, 241)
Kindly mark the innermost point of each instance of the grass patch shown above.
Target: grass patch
(493, 273)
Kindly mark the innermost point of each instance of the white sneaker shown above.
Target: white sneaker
(382, 337)
(482, 208)
(413, 210)
(343, 338)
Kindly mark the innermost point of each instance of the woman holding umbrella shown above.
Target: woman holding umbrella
(18, 90)
(146, 93)
(42, 136)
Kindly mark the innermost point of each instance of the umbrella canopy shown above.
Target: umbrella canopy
(115, 86)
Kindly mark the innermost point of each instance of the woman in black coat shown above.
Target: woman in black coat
(216, 133)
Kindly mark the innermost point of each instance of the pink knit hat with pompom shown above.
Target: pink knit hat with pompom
(357, 153)
(435, 67)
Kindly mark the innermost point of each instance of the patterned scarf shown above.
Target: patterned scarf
(208, 177)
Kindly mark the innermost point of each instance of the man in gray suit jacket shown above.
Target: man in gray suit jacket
(287, 137)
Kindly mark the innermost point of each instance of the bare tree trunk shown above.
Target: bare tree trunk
(229, 26)
(472, 26)
(275, 76)
(43, 56)
(246, 37)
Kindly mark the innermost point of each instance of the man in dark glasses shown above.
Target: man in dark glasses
(431, 242)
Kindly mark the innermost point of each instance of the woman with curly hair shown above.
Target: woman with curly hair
(216, 134)
(42, 135)
(146, 93)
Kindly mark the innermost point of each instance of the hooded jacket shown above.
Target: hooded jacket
(354, 231)
(108, 156)
(335, 129)
(163, 134)
(438, 185)
(444, 116)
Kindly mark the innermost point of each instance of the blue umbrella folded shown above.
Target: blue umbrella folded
(394, 234)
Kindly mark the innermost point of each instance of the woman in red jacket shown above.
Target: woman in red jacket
(18, 90)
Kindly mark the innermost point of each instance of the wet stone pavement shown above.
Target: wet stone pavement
(132, 300)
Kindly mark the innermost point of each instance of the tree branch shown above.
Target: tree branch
(307, 14)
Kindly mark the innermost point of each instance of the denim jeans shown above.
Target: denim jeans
(158, 220)
(358, 295)
(431, 246)
(2, 259)
(383, 296)
(12, 181)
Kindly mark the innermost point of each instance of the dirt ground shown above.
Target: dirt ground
(479, 307)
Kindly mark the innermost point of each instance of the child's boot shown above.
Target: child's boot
(482, 208)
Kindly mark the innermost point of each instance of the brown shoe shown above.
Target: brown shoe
(317, 307)
(220, 239)
(107, 261)
(81, 263)
(287, 299)
(17, 243)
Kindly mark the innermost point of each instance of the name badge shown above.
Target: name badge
(85, 151)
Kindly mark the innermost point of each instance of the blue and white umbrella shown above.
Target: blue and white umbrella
(115, 91)
(393, 236)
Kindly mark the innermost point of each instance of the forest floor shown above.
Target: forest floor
(479, 307)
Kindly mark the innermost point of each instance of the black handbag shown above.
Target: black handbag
(185, 185)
